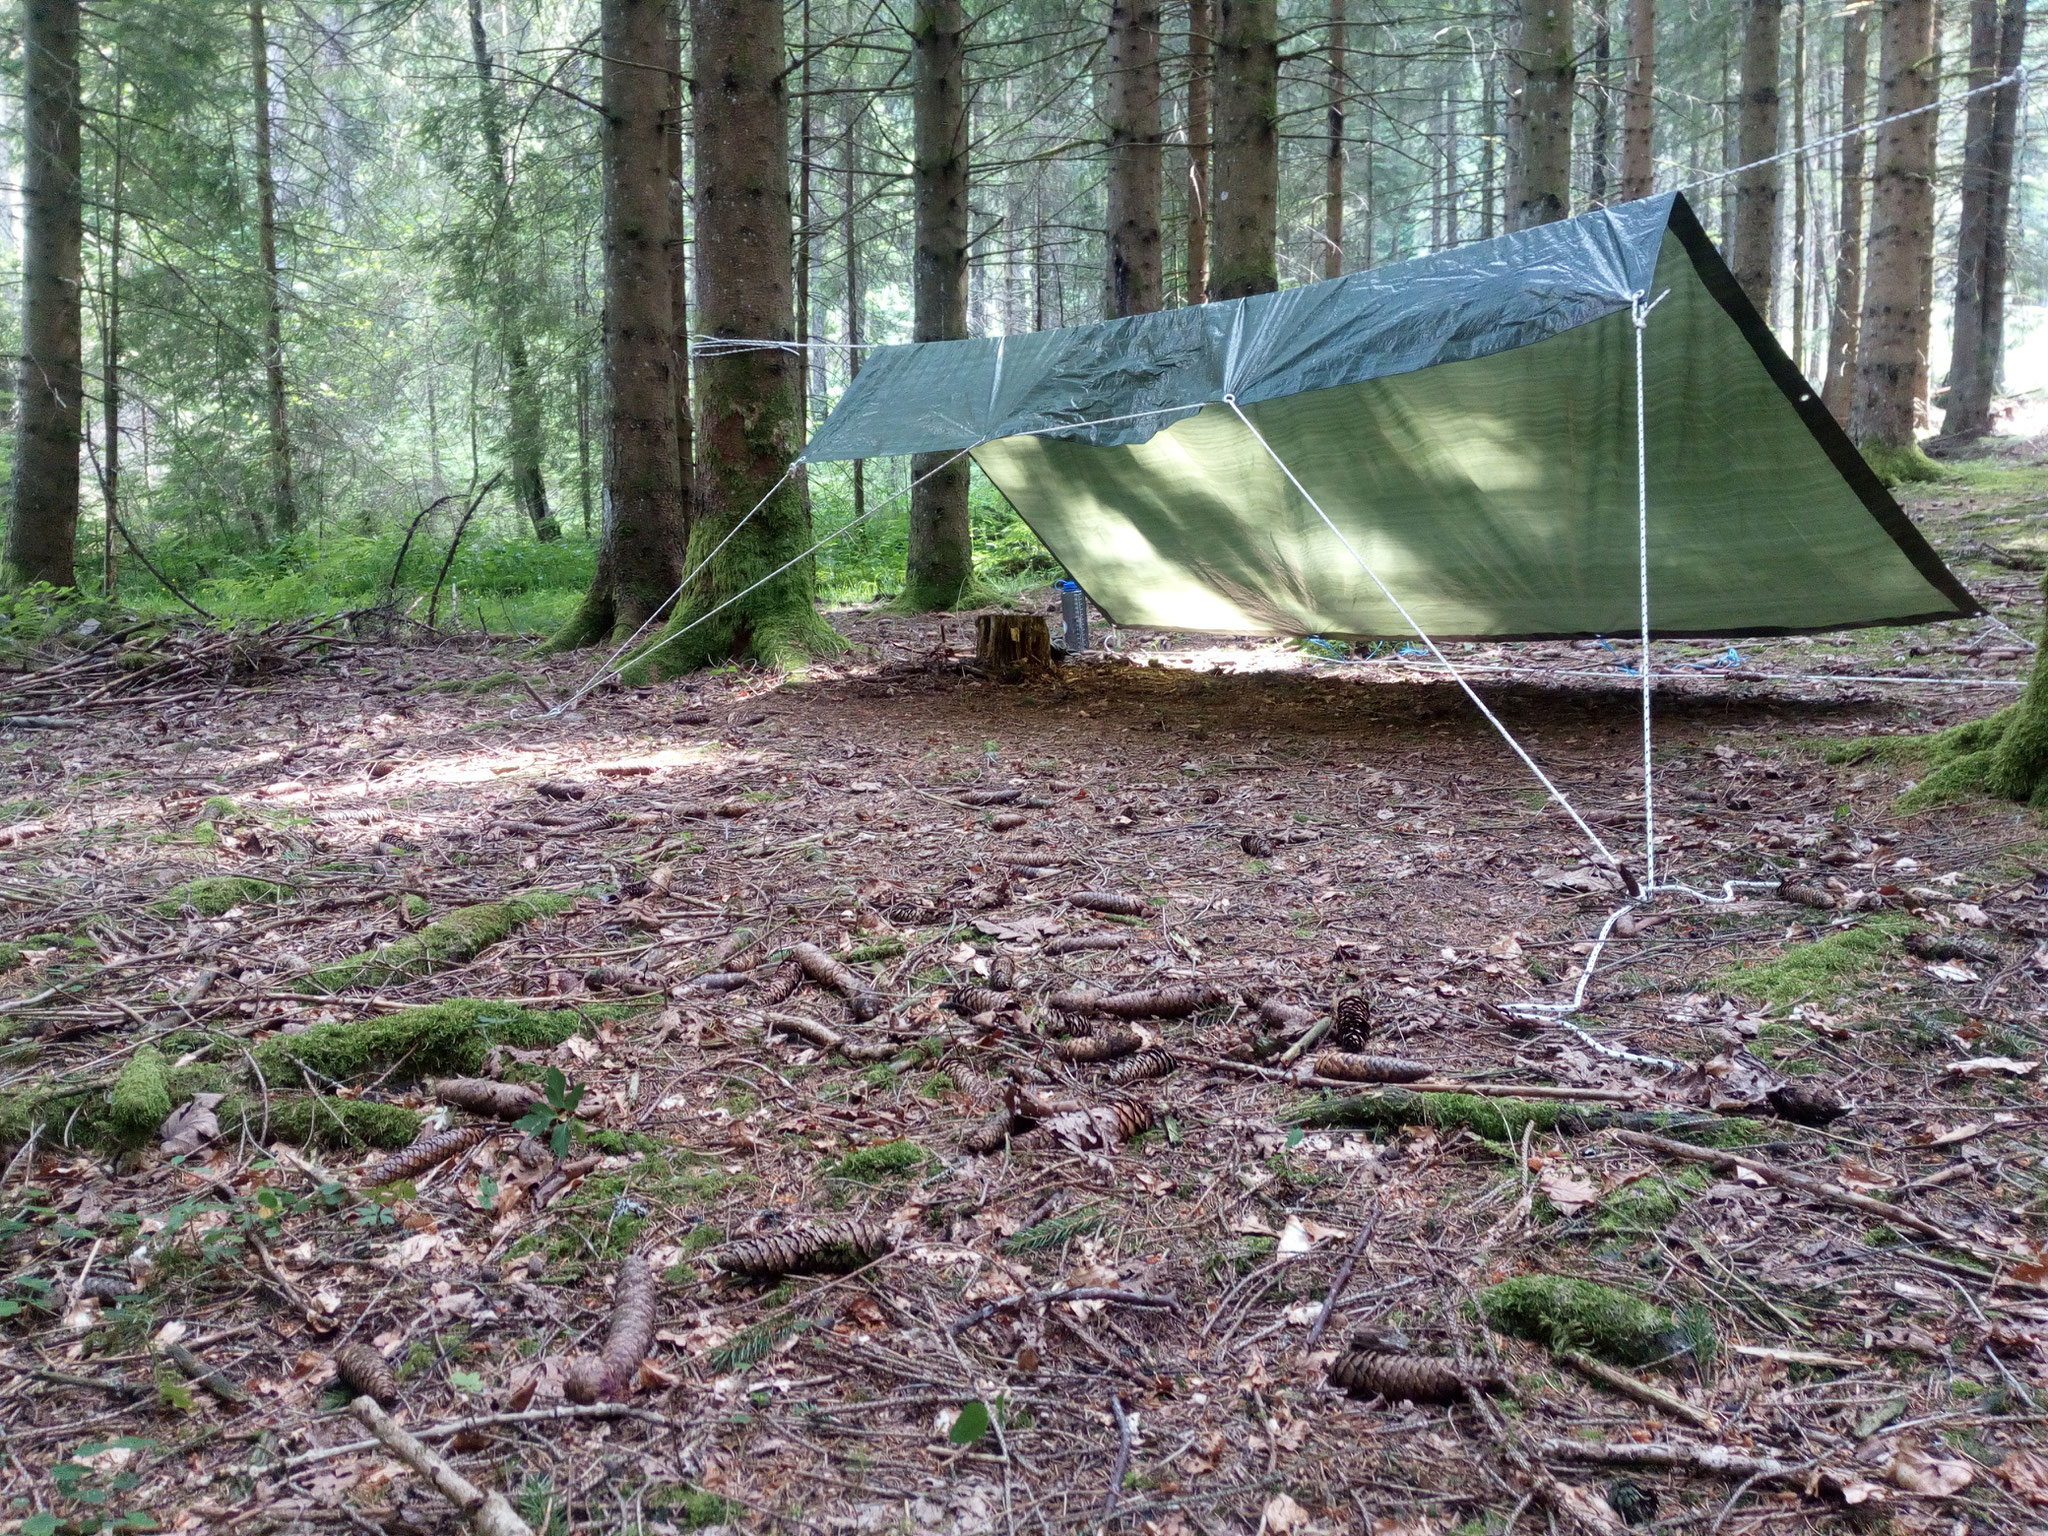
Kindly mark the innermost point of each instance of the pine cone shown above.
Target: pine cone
(1142, 1067)
(1256, 845)
(1351, 1022)
(810, 1248)
(827, 972)
(1109, 901)
(780, 986)
(992, 1132)
(427, 1153)
(1397, 1378)
(363, 1371)
(482, 1096)
(1369, 1069)
(1133, 1116)
(1107, 1046)
(611, 1375)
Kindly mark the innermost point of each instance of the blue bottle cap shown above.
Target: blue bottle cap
(1070, 586)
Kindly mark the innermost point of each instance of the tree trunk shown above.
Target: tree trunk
(1133, 282)
(1894, 330)
(678, 265)
(849, 204)
(1489, 128)
(748, 410)
(1599, 178)
(42, 520)
(804, 237)
(1797, 324)
(1755, 257)
(1972, 365)
(1199, 21)
(284, 505)
(525, 435)
(1542, 76)
(1638, 144)
(940, 569)
(1848, 310)
(2004, 138)
(1247, 178)
(637, 566)
(1333, 155)
(110, 350)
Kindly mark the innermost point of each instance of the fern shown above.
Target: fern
(1056, 1230)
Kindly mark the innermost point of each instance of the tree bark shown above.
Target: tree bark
(1755, 257)
(42, 517)
(849, 204)
(525, 435)
(1848, 310)
(1972, 363)
(1200, 14)
(1638, 143)
(749, 416)
(940, 569)
(1134, 281)
(1894, 331)
(284, 503)
(2004, 141)
(1333, 154)
(1542, 76)
(1247, 178)
(1599, 176)
(639, 534)
(110, 350)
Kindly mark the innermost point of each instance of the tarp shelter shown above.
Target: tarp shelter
(1467, 419)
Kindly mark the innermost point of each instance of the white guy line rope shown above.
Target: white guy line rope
(1700, 675)
(1492, 719)
(2016, 77)
(1641, 314)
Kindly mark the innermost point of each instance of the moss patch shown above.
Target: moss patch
(320, 1120)
(1903, 464)
(1822, 967)
(1648, 1205)
(880, 1163)
(216, 894)
(444, 1039)
(456, 939)
(1496, 1119)
(141, 1098)
(1568, 1313)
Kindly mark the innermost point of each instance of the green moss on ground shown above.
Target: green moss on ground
(215, 894)
(1821, 967)
(442, 1039)
(1496, 1119)
(1903, 464)
(457, 938)
(1648, 1205)
(12, 958)
(141, 1098)
(1564, 1312)
(320, 1120)
(880, 1163)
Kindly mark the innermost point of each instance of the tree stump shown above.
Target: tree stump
(1010, 643)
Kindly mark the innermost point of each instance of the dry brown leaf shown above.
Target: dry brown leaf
(2026, 1474)
(1282, 1516)
(1568, 1189)
(1936, 1477)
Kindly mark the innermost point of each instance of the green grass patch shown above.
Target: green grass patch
(1822, 967)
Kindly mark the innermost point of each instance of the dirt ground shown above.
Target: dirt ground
(1080, 1327)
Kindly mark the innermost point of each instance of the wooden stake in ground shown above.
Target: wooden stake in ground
(486, 1513)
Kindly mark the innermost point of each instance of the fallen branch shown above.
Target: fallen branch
(827, 972)
(487, 1513)
(1632, 1386)
(1717, 1459)
(1482, 1090)
(205, 1376)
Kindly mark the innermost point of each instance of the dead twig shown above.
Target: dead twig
(486, 1513)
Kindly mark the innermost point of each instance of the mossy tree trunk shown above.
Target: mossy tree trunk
(638, 562)
(1246, 173)
(2019, 763)
(749, 408)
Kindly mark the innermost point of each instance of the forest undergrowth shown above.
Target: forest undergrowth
(890, 1099)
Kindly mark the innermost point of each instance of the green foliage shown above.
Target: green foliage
(554, 1116)
(443, 1039)
(881, 1163)
(1569, 1313)
(455, 939)
(1822, 967)
(215, 894)
(1056, 1230)
(141, 1099)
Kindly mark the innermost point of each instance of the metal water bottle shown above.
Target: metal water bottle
(1073, 616)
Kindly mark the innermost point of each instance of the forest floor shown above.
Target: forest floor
(1083, 1326)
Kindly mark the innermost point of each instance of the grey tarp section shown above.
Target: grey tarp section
(1467, 419)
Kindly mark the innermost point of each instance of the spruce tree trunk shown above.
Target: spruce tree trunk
(1638, 143)
(1333, 153)
(1894, 330)
(1837, 392)
(110, 351)
(678, 265)
(2004, 139)
(1133, 283)
(1972, 363)
(749, 408)
(1247, 170)
(1599, 177)
(42, 515)
(939, 572)
(1200, 20)
(1755, 256)
(284, 501)
(1542, 76)
(525, 436)
(640, 530)
(849, 240)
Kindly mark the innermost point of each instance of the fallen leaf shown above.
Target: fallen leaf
(2026, 1474)
(1586, 880)
(190, 1126)
(1917, 1472)
(1952, 970)
(1985, 1066)
(1569, 1190)
(1282, 1516)
(1024, 928)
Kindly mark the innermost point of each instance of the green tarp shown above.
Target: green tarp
(1467, 419)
